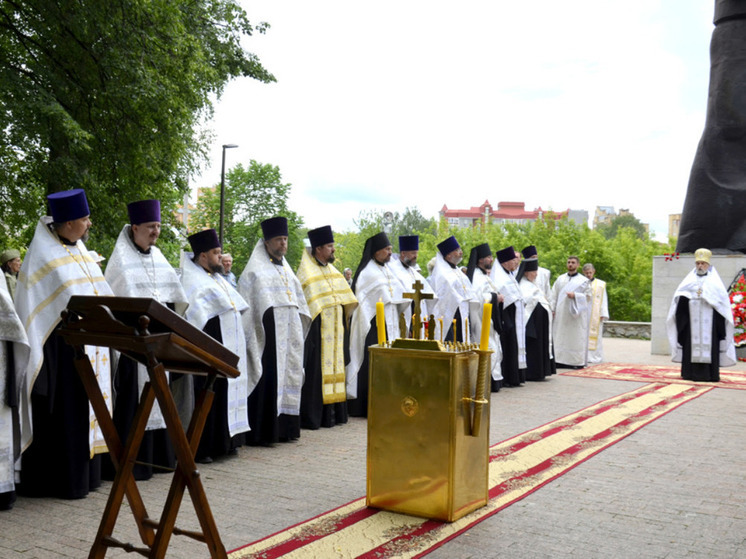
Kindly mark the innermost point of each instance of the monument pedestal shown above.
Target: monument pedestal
(428, 432)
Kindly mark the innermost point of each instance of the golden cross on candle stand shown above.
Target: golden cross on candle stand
(417, 297)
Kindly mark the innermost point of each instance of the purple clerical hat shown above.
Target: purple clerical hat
(144, 211)
(68, 205)
(409, 242)
(448, 246)
(275, 227)
(204, 241)
(505, 255)
(321, 236)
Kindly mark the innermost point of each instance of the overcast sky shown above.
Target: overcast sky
(388, 105)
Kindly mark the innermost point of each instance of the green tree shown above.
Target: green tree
(612, 229)
(110, 97)
(252, 195)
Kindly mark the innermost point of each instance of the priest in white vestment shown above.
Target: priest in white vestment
(571, 303)
(404, 265)
(543, 275)
(513, 320)
(60, 436)
(700, 323)
(11, 332)
(538, 311)
(374, 281)
(478, 271)
(452, 287)
(276, 326)
(216, 309)
(330, 303)
(599, 313)
(137, 268)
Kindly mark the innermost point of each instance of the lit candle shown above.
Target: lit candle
(486, 321)
(380, 323)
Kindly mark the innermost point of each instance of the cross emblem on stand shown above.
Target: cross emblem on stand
(417, 297)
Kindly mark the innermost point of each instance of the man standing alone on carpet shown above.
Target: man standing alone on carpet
(599, 313)
(570, 298)
(700, 323)
(137, 268)
(374, 281)
(330, 300)
(62, 460)
(276, 327)
(216, 309)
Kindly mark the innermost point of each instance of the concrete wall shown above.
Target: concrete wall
(667, 276)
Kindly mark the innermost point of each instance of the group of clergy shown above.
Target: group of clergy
(301, 338)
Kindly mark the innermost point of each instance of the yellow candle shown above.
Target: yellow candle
(486, 322)
(441, 329)
(380, 323)
(455, 336)
(466, 326)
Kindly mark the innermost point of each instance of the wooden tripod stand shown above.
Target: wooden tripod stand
(150, 333)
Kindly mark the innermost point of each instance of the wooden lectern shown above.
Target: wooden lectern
(152, 334)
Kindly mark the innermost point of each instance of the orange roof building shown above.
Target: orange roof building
(506, 212)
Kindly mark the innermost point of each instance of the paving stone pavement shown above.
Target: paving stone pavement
(674, 489)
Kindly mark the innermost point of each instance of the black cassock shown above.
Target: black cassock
(358, 407)
(698, 371)
(313, 412)
(267, 427)
(538, 364)
(216, 439)
(58, 462)
(512, 375)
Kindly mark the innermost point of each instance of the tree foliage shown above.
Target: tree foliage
(252, 195)
(110, 98)
(610, 230)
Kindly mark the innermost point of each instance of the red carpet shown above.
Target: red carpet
(518, 466)
(655, 373)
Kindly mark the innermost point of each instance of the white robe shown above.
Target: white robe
(375, 283)
(533, 295)
(570, 326)
(599, 311)
(266, 285)
(51, 273)
(454, 292)
(484, 288)
(408, 276)
(706, 294)
(11, 330)
(130, 273)
(210, 295)
(508, 287)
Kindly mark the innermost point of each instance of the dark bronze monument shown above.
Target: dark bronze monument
(715, 203)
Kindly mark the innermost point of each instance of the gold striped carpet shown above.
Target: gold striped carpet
(518, 466)
(656, 373)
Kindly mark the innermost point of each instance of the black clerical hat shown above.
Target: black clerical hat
(529, 251)
(321, 236)
(477, 253)
(204, 241)
(448, 246)
(505, 255)
(275, 227)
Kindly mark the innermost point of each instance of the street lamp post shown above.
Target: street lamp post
(222, 192)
